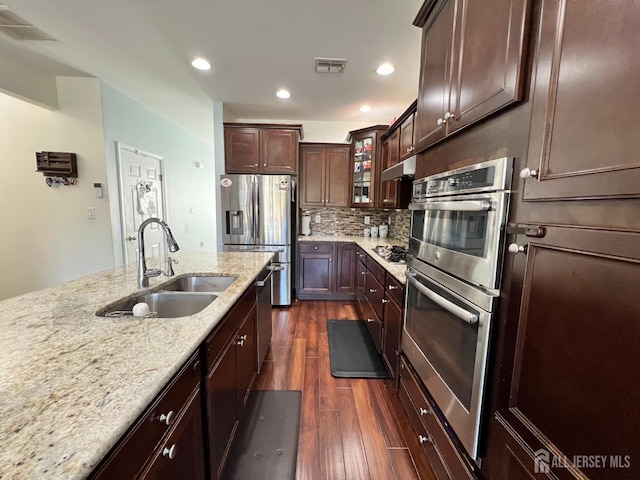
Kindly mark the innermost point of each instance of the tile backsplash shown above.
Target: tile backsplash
(350, 221)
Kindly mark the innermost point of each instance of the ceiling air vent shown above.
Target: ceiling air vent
(329, 65)
(18, 28)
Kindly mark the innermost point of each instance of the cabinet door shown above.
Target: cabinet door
(182, 454)
(316, 269)
(279, 152)
(337, 177)
(435, 71)
(346, 268)
(392, 332)
(312, 176)
(222, 407)
(246, 346)
(364, 170)
(361, 276)
(576, 353)
(390, 156)
(241, 150)
(406, 148)
(488, 58)
(584, 141)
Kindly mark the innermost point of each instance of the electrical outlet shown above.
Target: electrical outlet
(318, 219)
(367, 219)
(91, 213)
(389, 220)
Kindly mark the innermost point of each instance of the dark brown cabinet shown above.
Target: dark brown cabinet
(326, 270)
(392, 314)
(324, 175)
(167, 437)
(406, 147)
(365, 165)
(261, 148)
(472, 63)
(430, 429)
(576, 349)
(583, 141)
(230, 358)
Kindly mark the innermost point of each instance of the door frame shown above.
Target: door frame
(121, 190)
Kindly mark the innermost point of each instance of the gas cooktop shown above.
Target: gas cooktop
(395, 253)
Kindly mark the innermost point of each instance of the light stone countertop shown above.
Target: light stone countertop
(72, 383)
(367, 244)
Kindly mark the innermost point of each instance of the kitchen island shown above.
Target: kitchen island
(72, 383)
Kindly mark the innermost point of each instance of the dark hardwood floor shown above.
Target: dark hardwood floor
(350, 429)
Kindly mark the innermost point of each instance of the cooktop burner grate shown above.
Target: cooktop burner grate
(395, 253)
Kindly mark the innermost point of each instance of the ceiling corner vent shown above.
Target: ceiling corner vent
(329, 65)
(18, 28)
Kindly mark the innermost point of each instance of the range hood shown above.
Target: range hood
(402, 170)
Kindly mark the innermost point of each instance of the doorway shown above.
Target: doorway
(141, 182)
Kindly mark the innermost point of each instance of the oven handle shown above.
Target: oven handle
(454, 206)
(451, 307)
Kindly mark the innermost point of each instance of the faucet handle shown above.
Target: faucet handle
(169, 271)
(152, 272)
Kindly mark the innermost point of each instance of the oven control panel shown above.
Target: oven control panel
(483, 177)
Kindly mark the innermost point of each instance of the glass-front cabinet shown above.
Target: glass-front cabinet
(365, 150)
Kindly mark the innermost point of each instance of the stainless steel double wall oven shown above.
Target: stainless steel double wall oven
(454, 265)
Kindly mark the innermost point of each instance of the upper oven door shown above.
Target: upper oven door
(462, 235)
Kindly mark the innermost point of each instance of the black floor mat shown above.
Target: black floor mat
(266, 446)
(352, 353)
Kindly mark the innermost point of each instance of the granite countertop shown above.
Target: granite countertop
(367, 244)
(72, 383)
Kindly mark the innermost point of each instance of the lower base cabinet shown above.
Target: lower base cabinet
(230, 358)
(326, 271)
(445, 459)
(168, 436)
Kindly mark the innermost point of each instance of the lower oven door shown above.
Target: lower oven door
(446, 339)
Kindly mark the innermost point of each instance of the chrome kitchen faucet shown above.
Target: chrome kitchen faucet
(143, 272)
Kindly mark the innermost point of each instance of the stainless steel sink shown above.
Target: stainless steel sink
(161, 304)
(199, 283)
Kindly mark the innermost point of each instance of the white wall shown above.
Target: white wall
(316, 131)
(45, 236)
(186, 187)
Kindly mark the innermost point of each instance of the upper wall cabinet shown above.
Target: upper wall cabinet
(366, 155)
(261, 148)
(324, 175)
(473, 58)
(584, 140)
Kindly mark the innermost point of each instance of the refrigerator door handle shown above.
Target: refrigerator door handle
(256, 210)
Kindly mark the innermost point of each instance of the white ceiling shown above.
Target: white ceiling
(144, 49)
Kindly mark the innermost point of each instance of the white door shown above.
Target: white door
(141, 197)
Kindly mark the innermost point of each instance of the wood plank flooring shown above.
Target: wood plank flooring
(351, 429)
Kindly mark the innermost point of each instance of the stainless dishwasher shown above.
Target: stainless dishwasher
(263, 300)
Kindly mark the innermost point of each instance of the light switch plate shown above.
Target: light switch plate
(318, 219)
(91, 213)
(367, 219)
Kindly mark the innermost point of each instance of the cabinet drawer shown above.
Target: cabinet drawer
(376, 270)
(395, 290)
(448, 454)
(315, 247)
(224, 331)
(374, 291)
(361, 255)
(131, 454)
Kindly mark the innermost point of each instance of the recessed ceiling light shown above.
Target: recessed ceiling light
(365, 108)
(385, 69)
(283, 93)
(201, 64)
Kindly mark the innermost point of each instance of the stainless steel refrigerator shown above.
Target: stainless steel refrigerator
(258, 213)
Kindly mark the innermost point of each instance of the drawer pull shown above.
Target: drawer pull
(372, 290)
(167, 419)
(169, 452)
(392, 287)
(370, 320)
(384, 300)
(423, 439)
(423, 411)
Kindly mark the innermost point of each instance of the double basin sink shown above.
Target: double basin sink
(184, 296)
